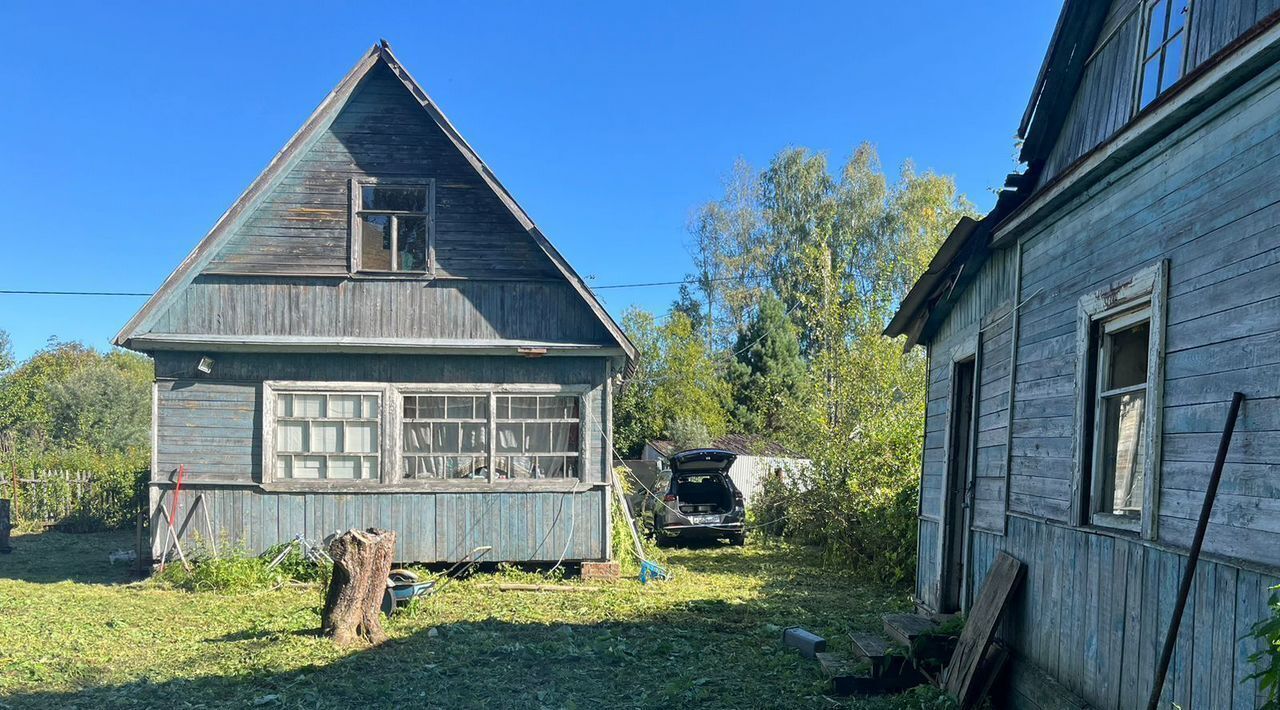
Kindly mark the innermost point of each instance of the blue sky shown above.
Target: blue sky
(125, 133)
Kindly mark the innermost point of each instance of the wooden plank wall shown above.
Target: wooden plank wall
(214, 426)
(546, 311)
(1105, 100)
(1207, 200)
(439, 527)
(301, 227)
(992, 286)
(1094, 610)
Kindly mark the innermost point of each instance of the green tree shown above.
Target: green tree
(103, 405)
(767, 376)
(6, 352)
(635, 419)
(687, 303)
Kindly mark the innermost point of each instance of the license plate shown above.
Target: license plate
(704, 519)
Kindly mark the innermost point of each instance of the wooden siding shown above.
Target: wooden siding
(213, 425)
(1207, 201)
(1105, 100)
(1094, 609)
(301, 227)
(546, 311)
(440, 527)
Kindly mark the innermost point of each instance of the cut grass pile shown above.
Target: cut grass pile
(73, 634)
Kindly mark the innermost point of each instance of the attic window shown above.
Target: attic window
(1164, 47)
(391, 227)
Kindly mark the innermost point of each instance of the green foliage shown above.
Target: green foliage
(69, 396)
(236, 571)
(768, 374)
(676, 388)
(110, 500)
(6, 351)
(1268, 630)
(839, 250)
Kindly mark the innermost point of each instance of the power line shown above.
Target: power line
(17, 292)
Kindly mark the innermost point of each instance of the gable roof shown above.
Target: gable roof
(320, 119)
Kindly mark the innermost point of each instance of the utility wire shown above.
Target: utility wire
(17, 292)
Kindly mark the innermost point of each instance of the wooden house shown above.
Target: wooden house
(376, 334)
(1085, 339)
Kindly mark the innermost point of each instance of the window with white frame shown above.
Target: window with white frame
(445, 436)
(327, 435)
(390, 227)
(537, 436)
(1120, 379)
(420, 434)
(1163, 47)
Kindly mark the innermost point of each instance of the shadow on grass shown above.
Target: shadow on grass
(52, 556)
(709, 638)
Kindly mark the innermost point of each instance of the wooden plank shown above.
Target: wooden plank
(981, 627)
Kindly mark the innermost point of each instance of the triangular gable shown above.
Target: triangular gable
(312, 129)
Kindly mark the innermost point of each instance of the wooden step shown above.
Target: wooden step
(846, 678)
(835, 665)
(870, 646)
(905, 628)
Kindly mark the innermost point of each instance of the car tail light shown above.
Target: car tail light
(668, 498)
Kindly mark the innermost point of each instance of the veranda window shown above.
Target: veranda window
(537, 436)
(327, 435)
(445, 436)
(1164, 46)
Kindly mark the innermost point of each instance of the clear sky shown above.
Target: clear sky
(127, 129)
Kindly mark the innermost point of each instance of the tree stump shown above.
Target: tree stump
(361, 561)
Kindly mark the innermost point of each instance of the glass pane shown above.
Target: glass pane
(1122, 454)
(520, 467)
(503, 405)
(1172, 62)
(524, 407)
(1150, 81)
(344, 467)
(551, 466)
(444, 437)
(475, 438)
(308, 405)
(510, 437)
(290, 436)
(417, 438)
(1178, 14)
(537, 437)
(1127, 358)
(370, 410)
(344, 406)
(283, 467)
(558, 408)
(482, 407)
(361, 437)
(1155, 26)
(375, 242)
(393, 199)
(308, 467)
(461, 407)
(565, 437)
(284, 405)
(411, 240)
(370, 467)
(326, 438)
(430, 407)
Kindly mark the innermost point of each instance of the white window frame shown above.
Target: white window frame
(494, 391)
(391, 423)
(354, 234)
(1146, 9)
(270, 394)
(1141, 296)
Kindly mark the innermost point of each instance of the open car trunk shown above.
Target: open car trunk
(700, 481)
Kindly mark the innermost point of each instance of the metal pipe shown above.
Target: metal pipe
(1211, 492)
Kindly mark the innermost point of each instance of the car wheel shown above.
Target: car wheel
(661, 540)
(738, 540)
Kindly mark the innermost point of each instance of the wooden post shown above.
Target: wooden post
(5, 526)
(1193, 557)
(352, 606)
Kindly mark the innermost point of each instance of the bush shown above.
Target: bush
(238, 571)
(110, 501)
(1268, 630)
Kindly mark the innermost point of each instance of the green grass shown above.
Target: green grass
(75, 634)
